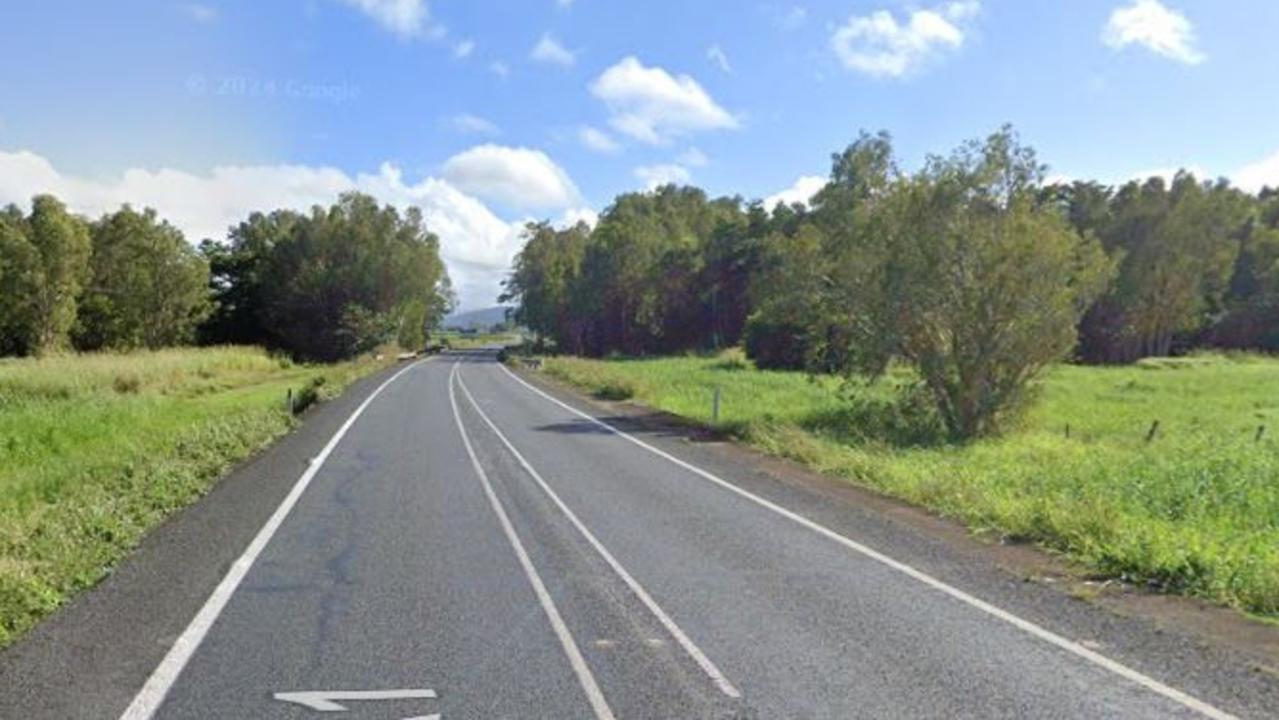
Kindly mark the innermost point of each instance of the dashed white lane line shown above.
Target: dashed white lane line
(687, 644)
(1022, 624)
(157, 686)
(578, 663)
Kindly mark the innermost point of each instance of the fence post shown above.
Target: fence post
(288, 401)
(715, 406)
(1154, 428)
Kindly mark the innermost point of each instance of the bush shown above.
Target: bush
(615, 390)
(775, 346)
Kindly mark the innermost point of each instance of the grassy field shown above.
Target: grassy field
(97, 449)
(463, 341)
(1193, 510)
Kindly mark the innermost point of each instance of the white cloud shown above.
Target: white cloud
(655, 176)
(406, 18)
(716, 55)
(574, 216)
(597, 140)
(650, 105)
(1261, 174)
(463, 49)
(518, 178)
(476, 243)
(500, 69)
(549, 50)
(200, 12)
(473, 125)
(801, 192)
(693, 157)
(1151, 24)
(878, 45)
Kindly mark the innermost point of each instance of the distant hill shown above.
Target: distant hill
(485, 318)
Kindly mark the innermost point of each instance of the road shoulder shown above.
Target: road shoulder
(1195, 645)
(91, 657)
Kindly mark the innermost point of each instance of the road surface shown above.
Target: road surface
(465, 544)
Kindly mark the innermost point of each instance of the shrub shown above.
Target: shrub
(775, 346)
(616, 390)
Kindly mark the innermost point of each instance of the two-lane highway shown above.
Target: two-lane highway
(470, 546)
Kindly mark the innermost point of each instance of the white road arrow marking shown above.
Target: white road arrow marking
(330, 700)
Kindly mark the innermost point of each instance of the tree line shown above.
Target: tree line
(323, 285)
(972, 270)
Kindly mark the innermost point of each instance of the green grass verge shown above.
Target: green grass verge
(1195, 510)
(97, 449)
(461, 341)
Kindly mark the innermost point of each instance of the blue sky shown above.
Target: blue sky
(489, 113)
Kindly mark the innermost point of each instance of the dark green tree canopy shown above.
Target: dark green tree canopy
(331, 283)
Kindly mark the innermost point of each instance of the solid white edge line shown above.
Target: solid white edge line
(575, 659)
(1027, 626)
(157, 686)
(687, 644)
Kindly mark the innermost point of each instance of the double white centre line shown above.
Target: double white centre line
(674, 630)
(575, 659)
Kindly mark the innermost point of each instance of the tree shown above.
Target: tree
(43, 263)
(236, 279)
(343, 279)
(960, 272)
(1176, 247)
(787, 330)
(543, 276)
(18, 262)
(1251, 320)
(149, 287)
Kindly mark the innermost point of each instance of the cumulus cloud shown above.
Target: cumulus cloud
(463, 49)
(880, 46)
(651, 105)
(655, 176)
(468, 124)
(549, 50)
(573, 216)
(693, 157)
(476, 243)
(406, 18)
(597, 140)
(719, 58)
(518, 178)
(1152, 25)
(500, 69)
(801, 192)
(1258, 175)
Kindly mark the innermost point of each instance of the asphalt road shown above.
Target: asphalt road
(464, 544)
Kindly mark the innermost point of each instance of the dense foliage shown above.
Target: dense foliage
(321, 286)
(328, 284)
(44, 263)
(972, 270)
(147, 287)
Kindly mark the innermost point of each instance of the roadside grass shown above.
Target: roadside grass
(464, 341)
(1194, 510)
(95, 450)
